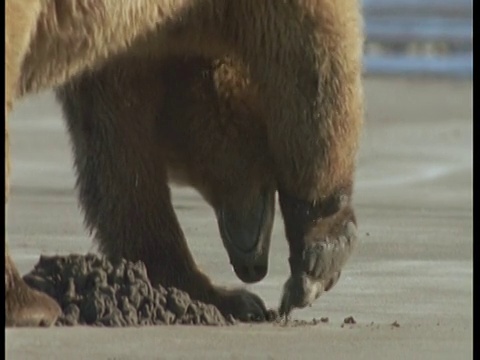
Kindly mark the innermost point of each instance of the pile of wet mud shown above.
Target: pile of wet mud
(93, 291)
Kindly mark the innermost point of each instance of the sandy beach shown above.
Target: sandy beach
(413, 264)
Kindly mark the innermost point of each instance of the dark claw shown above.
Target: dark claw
(310, 260)
(331, 283)
(323, 258)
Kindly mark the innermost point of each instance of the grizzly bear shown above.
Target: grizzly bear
(167, 102)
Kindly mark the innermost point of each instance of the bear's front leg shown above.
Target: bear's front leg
(310, 80)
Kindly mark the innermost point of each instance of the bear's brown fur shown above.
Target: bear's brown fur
(303, 56)
(196, 123)
(46, 43)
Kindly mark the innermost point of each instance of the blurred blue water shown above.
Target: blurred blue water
(419, 37)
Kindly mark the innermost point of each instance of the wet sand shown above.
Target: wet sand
(413, 264)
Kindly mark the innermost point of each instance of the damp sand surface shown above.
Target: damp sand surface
(408, 286)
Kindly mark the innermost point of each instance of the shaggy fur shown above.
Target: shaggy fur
(302, 56)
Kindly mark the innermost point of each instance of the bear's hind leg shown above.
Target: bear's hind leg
(123, 188)
(23, 305)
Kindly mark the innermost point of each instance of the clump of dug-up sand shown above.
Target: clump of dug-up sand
(92, 291)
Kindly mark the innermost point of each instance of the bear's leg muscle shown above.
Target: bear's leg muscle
(123, 184)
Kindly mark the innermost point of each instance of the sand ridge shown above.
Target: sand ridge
(93, 291)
